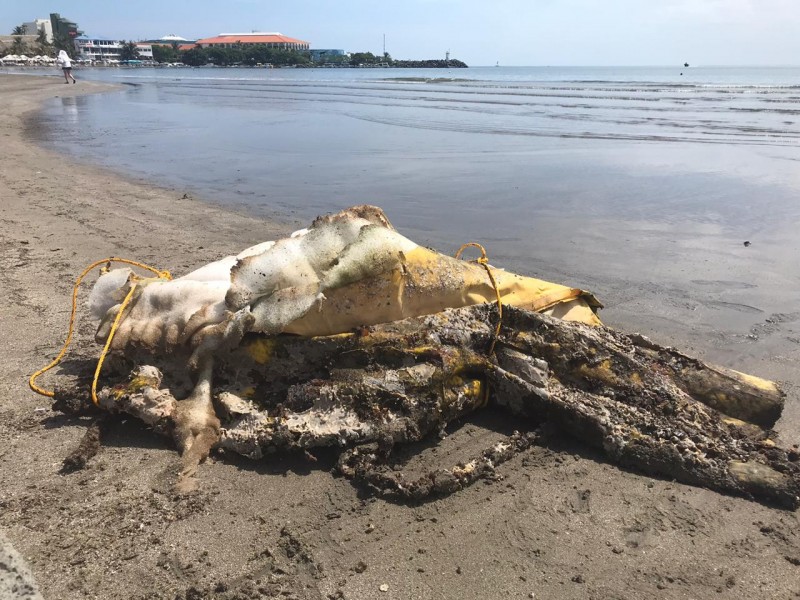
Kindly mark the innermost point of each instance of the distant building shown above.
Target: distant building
(37, 25)
(318, 55)
(106, 50)
(168, 40)
(98, 49)
(231, 40)
(145, 51)
(63, 28)
(55, 28)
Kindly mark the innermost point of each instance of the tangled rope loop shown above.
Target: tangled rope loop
(106, 266)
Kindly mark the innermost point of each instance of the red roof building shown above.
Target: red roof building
(270, 40)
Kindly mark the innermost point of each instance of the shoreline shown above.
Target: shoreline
(561, 524)
(87, 214)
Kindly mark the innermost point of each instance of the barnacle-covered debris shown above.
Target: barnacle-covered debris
(349, 335)
(399, 382)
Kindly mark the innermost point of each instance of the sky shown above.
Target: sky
(479, 32)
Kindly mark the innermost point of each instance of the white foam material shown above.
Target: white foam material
(279, 281)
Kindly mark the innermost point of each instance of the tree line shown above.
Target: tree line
(255, 54)
(240, 54)
(251, 55)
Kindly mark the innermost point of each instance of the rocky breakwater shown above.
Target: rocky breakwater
(429, 64)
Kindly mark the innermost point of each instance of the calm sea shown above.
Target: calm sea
(629, 181)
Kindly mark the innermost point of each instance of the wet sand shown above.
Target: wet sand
(561, 523)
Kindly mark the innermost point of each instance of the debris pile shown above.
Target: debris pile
(349, 335)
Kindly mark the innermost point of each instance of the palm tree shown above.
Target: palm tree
(42, 43)
(64, 42)
(18, 46)
(129, 51)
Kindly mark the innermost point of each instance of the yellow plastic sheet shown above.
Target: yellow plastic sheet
(427, 282)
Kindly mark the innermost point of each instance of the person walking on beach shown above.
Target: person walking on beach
(66, 65)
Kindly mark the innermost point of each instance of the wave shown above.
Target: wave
(429, 79)
(688, 112)
(605, 85)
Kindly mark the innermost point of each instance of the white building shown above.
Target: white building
(98, 50)
(171, 38)
(34, 27)
(107, 51)
(145, 51)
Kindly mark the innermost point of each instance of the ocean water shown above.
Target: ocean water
(634, 182)
(268, 138)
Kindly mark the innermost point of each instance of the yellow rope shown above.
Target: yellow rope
(109, 339)
(107, 263)
(484, 262)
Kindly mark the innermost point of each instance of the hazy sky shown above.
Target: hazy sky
(479, 32)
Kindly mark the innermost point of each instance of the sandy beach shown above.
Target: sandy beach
(560, 523)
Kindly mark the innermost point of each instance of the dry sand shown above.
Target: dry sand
(561, 523)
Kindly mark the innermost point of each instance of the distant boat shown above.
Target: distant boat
(685, 64)
(498, 64)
